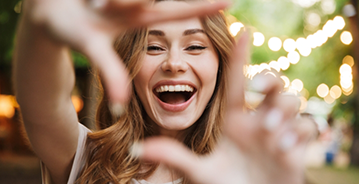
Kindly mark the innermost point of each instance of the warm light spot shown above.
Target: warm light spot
(274, 44)
(305, 93)
(297, 84)
(329, 99)
(264, 66)
(6, 106)
(348, 60)
(283, 63)
(345, 69)
(303, 47)
(346, 37)
(303, 104)
(346, 84)
(348, 92)
(293, 57)
(328, 6)
(350, 88)
(321, 38)
(322, 90)
(235, 28)
(285, 80)
(313, 19)
(339, 22)
(335, 92)
(329, 28)
(312, 41)
(274, 65)
(258, 39)
(78, 103)
(289, 45)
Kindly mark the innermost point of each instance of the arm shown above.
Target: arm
(44, 78)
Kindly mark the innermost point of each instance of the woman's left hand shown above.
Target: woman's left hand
(264, 147)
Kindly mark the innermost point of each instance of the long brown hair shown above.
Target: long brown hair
(107, 156)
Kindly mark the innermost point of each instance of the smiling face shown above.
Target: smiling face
(178, 74)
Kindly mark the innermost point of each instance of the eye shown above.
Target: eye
(195, 47)
(154, 48)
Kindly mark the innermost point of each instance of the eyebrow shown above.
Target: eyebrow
(156, 33)
(185, 33)
(192, 31)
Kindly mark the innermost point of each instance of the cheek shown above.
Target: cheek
(207, 71)
(142, 79)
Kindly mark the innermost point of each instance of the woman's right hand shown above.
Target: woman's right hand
(91, 26)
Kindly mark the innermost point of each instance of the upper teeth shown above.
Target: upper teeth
(174, 88)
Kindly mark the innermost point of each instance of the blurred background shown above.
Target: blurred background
(312, 45)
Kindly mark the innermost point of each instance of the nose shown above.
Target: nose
(174, 63)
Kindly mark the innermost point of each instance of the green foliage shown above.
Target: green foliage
(285, 19)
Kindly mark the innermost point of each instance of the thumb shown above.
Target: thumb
(172, 153)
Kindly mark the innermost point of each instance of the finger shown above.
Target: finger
(115, 76)
(172, 153)
(235, 74)
(306, 129)
(165, 12)
(124, 5)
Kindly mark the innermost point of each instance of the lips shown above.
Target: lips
(174, 96)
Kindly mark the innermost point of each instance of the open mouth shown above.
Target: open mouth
(174, 94)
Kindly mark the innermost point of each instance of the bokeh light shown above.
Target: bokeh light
(293, 57)
(339, 22)
(322, 90)
(275, 44)
(346, 38)
(297, 84)
(335, 92)
(274, 65)
(345, 69)
(289, 45)
(349, 60)
(283, 63)
(77, 102)
(285, 80)
(235, 28)
(258, 39)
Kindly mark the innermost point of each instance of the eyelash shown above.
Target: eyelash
(195, 47)
(190, 48)
(154, 48)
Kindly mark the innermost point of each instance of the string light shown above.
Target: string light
(258, 39)
(274, 44)
(346, 37)
(348, 60)
(322, 90)
(235, 27)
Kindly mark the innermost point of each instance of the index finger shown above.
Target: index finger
(236, 75)
(180, 11)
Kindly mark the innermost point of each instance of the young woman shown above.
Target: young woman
(186, 86)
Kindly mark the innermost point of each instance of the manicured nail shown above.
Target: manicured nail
(116, 109)
(136, 150)
(258, 83)
(273, 119)
(288, 141)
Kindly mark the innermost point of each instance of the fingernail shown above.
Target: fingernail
(116, 109)
(136, 149)
(258, 83)
(273, 119)
(288, 141)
